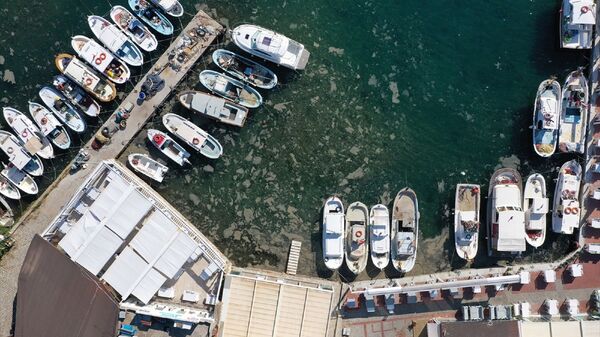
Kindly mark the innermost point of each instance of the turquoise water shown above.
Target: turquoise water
(396, 93)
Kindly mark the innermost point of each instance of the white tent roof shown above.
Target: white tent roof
(129, 211)
(94, 255)
(125, 271)
(149, 285)
(176, 254)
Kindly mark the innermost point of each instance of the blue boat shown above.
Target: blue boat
(152, 16)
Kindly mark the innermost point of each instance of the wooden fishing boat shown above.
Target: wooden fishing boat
(171, 7)
(546, 118)
(230, 88)
(133, 28)
(566, 210)
(85, 77)
(357, 245)
(20, 179)
(467, 204)
(62, 109)
(32, 138)
(7, 217)
(573, 113)
(214, 107)
(147, 166)
(50, 126)
(405, 230)
(379, 236)
(151, 16)
(535, 205)
(168, 146)
(77, 96)
(18, 156)
(244, 69)
(193, 136)
(9, 190)
(101, 59)
(115, 41)
(333, 233)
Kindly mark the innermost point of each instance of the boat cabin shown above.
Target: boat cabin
(536, 214)
(380, 243)
(579, 18)
(548, 119)
(406, 243)
(334, 229)
(508, 222)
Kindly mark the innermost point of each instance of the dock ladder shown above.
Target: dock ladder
(292, 264)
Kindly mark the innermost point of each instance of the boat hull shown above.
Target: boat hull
(8, 190)
(20, 179)
(139, 34)
(50, 126)
(405, 230)
(147, 166)
(77, 96)
(91, 82)
(230, 89)
(194, 136)
(535, 188)
(467, 203)
(379, 236)
(168, 146)
(66, 113)
(110, 66)
(333, 233)
(244, 69)
(357, 243)
(151, 16)
(504, 177)
(574, 113)
(117, 42)
(569, 180)
(214, 107)
(28, 133)
(546, 118)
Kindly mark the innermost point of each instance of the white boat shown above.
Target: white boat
(214, 107)
(101, 58)
(50, 126)
(505, 216)
(7, 217)
(62, 109)
(115, 41)
(32, 138)
(85, 77)
(546, 117)
(20, 179)
(230, 88)
(379, 236)
(168, 146)
(577, 20)
(133, 28)
(147, 166)
(171, 7)
(193, 136)
(535, 205)
(244, 69)
(574, 112)
(77, 96)
(405, 230)
(333, 233)
(271, 46)
(18, 156)
(566, 209)
(467, 204)
(357, 244)
(9, 190)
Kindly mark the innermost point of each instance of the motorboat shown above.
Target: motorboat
(546, 117)
(379, 236)
(133, 28)
(270, 46)
(577, 20)
(7, 217)
(9, 190)
(214, 107)
(20, 179)
(85, 77)
(535, 205)
(151, 16)
(50, 126)
(193, 136)
(147, 166)
(32, 138)
(244, 69)
(62, 109)
(168, 146)
(357, 243)
(77, 96)
(117, 42)
(231, 89)
(566, 207)
(573, 115)
(405, 230)
(101, 59)
(171, 7)
(333, 233)
(18, 156)
(505, 216)
(467, 204)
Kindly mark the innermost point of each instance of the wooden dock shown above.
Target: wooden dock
(292, 265)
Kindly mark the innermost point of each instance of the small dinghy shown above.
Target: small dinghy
(566, 208)
(76, 95)
(379, 236)
(18, 156)
(7, 217)
(573, 113)
(405, 230)
(244, 69)
(214, 107)
(32, 138)
(193, 136)
(333, 233)
(546, 118)
(168, 146)
(467, 203)
(62, 109)
(50, 126)
(147, 166)
(20, 179)
(101, 59)
(133, 28)
(85, 77)
(357, 246)
(9, 190)
(115, 41)
(171, 7)
(152, 16)
(230, 88)
(535, 205)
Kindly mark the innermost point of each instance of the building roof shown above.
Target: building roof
(560, 328)
(480, 329)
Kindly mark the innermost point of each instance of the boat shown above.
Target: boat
(7, 217)
(133, 28)
(576, 26)
(405, 230)
(168, 146)
(566, 207)
(193, 136)
(101, 58)
(9, 190)
(244, 69)
(573, 115)
(77, 96)
(546, 118)
(147, 166)
(50, 126)
(18, 155)
(230, 88)
(535, 205)
(271, 46)
(85, 77)
(171, 7)
(115, 41)
(20, 179)
(32, 138)
(62, 109)
(214, 107)
(467, 204)
(357, 245)
(151, 16)
(505, 216)
(379, 236)
(333, 233)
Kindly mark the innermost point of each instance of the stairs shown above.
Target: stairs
(292, 265)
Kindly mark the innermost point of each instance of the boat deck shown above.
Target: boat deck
(404, 211)
(467, 201)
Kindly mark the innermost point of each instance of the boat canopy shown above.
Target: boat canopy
(584, 12)
(78, 72)
(334, 247)
(507, 196)
(406, 243)
(334, 224)
(95, 54)
(511, 231)
(270, 42)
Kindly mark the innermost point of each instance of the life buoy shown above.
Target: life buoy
(135, 161)
(10, 150)
(100, 59)
(574, 210)
(358, 234)
(585, 9)
(196, 141)
(44, 120)
(567, 210)
(475, 190)
(88, 82)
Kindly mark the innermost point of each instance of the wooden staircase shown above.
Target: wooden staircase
(293, 257)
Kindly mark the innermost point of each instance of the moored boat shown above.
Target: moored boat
(566, 207)
(77, 96)
(115, 41)
(230, 88)
(6, 214)
(20, 179)
(171, 7)
(147, 166)
(18, 156)
(573, 115)
(32, 138)
(546, 117)
(467, 204)
(357, 244)
(151, 16)
(85, 77)
(379, 236)
(244, 69)
(333, 233)
(133, 28)
(50, 126)
(100, 58)
(168, 146)
(214, 107)
(405, 230)
(9, 190)
(577, 20)
(62, 109)
(535, 205)
(193, 135)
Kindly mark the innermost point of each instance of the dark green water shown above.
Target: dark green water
(396, 93)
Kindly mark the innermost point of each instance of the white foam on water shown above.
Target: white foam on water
(395, 94)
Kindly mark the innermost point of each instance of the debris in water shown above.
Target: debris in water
(9, 77)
